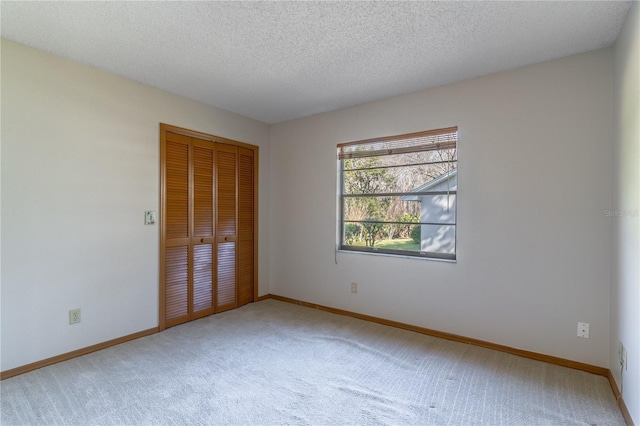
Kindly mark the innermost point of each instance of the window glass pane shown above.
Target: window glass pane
(426, 224)
(382, 236)
(414, 238)
(399, 194)
(396, 173)
(401, 179)
(406, 159)
(384, 209)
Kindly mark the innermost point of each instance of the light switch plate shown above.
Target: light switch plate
(150, 217)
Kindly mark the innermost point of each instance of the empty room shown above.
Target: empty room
(320, 213)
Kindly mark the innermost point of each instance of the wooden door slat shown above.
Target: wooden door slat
(246, 214)
(226, 191)
(176, 265)
(202, 277)
(203, 191)
(177, 190)
(226, 276)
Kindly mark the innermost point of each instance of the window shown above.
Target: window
(398, 194)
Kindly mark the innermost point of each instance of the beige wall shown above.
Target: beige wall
(625, 283)
(533, 242)
(80, 165)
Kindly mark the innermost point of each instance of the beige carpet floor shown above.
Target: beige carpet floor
(274, 363)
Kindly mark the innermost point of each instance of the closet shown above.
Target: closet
(208, 226)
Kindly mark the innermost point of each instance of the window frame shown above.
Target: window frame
(418, 147)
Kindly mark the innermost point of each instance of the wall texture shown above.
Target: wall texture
(533, 242)
(625, 282)
(80, 165)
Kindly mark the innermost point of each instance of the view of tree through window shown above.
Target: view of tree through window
(398, 194)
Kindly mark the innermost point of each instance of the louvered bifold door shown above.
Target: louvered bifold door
(245, 225)
(176, 212)
(226, 227)
(203, 228)
(208, 251)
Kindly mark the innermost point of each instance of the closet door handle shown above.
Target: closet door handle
(226, 238)
(202, 240)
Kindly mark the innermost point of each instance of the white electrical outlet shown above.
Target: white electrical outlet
(583, 330)
(74, 316)
(354, 287)
(624, 357)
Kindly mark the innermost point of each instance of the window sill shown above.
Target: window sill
(398, 256)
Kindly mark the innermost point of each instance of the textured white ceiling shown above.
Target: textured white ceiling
(276, 61)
